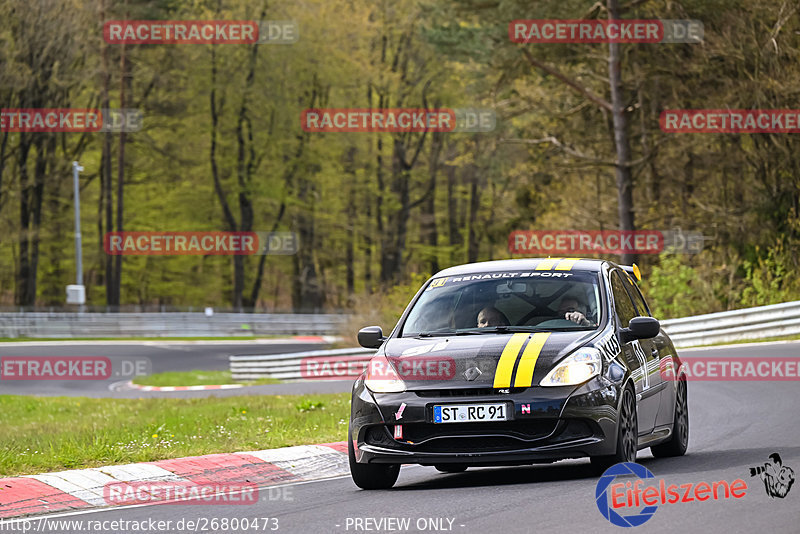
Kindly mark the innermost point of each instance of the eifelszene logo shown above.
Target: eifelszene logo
(616, 497)
(607, 508)
(777, 478)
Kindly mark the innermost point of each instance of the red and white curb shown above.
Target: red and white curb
(83, 488)
(130, 385)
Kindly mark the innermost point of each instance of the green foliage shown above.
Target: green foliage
(773, 278)
(674, 289)
(399, 296)
(309, 406)
(383, 308)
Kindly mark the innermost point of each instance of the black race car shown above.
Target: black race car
(518, 362)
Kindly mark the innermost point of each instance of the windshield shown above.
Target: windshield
(506, 302)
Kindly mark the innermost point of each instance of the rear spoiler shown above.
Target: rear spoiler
(633, 270)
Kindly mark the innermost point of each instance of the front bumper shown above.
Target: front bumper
(547, 424)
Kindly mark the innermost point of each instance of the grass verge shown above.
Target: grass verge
(56, 433)
(196, 378)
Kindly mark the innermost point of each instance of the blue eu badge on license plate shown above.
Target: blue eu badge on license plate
(437, 414)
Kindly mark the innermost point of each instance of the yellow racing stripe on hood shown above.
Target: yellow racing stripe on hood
(505, 367)
(527, 362)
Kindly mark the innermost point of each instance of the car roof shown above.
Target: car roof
(527, 264)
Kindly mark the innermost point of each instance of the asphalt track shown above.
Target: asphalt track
(161, 357)
(733, 426)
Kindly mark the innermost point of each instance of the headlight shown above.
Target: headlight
(575, 369)
(382, 378)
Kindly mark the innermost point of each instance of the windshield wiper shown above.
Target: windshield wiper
(447, 333)
(501, 330)
(568, 328)
(524, 329)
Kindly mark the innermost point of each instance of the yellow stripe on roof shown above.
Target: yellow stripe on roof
(546, 265)
(566, 264)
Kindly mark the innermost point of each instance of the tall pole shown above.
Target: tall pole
(78, 254)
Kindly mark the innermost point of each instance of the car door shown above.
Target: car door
(659, 348)
(637, 357)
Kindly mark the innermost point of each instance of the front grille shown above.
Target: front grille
(471, 444)
(494, 436)
(521, 430)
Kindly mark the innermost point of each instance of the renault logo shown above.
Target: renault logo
(472, 373)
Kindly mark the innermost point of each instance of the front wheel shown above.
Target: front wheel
(627, 435)
(679, 441)
(371, 476)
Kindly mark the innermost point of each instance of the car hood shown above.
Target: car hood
(451, 362)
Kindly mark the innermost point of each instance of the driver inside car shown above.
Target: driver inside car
(572, 310)
(491, 316)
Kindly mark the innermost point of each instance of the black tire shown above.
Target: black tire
(627, 435)
(450, 468)
(679, 441)
(371, 476)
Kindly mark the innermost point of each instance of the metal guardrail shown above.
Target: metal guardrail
(171, 324)
(338, 364)
(736, 325)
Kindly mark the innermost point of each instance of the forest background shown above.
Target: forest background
(576, 146)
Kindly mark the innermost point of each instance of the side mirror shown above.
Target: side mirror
(641, 328)
(371, 337)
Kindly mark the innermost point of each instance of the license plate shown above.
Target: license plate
(469, 413)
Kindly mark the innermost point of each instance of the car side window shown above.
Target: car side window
(622, 301)
(638, 298)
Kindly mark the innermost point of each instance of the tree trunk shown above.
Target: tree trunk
(124, 80)
(400, 186)
(474, 205)
(22, 296)
(430, 235)
(229, 220)
(455, 238)
(307, 294)
(351, 220)
(106, 172)
(307, 291)
(3, 145)
(621, 143)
